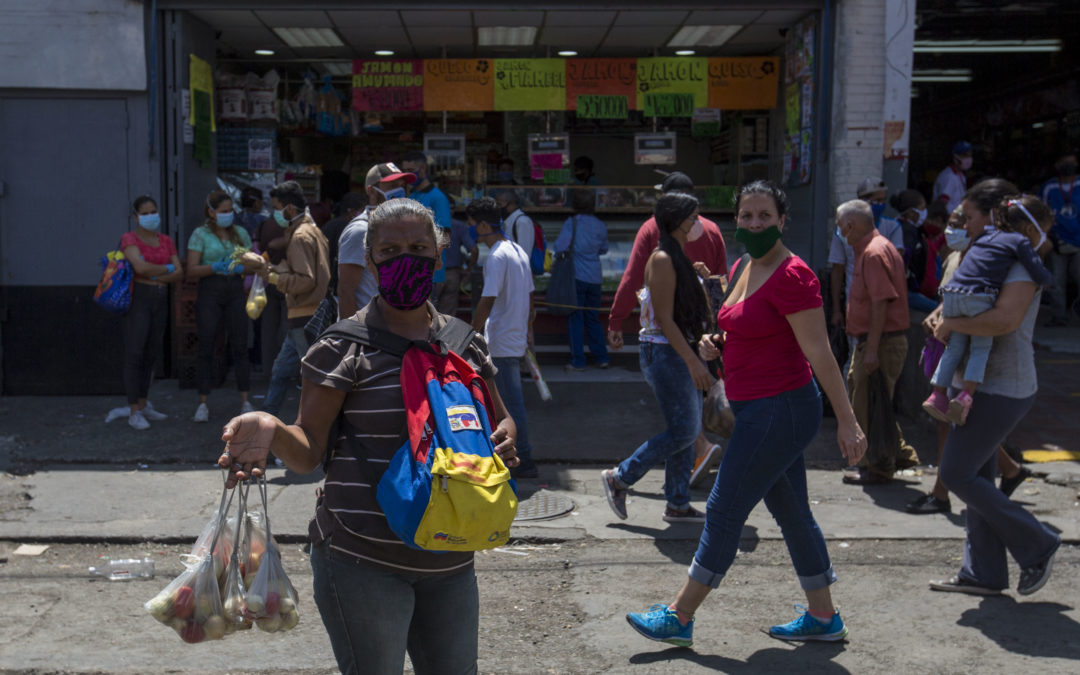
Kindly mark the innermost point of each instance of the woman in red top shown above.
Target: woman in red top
(773, 335)
(153, 257)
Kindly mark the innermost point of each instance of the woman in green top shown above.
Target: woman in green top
(220, 296)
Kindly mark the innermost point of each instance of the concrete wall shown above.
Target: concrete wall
(858, 99)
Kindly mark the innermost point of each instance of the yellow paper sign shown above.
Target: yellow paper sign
(530, 84)
(673, 75)
(201, 78)
(748, 83)
(459, 84)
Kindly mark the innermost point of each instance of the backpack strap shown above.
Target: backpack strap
(456, 335)
(743, 261)
(354, 331)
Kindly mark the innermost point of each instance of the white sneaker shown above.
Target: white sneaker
(137, 421)
(202, 414)
(117, 413)
(247, 407)
(150, 413)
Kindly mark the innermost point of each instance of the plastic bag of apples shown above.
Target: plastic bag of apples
(270, 599)
(229, 584)
(191, 604)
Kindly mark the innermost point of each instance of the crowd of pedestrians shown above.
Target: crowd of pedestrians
(973, 260)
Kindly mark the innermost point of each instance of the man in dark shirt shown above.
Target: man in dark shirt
(351, 204)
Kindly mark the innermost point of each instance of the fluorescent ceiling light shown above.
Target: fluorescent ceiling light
(309, 37)
(986, 46)
(264, 52)
(948, 75)
(684, 52)
(384, 52)
(703, 36)
(568, 52)
(339, 68)
(505, 36)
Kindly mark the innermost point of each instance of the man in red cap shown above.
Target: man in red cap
(708, 251)
(357, 285)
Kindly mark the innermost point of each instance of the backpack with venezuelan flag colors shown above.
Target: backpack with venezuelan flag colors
(445, 488)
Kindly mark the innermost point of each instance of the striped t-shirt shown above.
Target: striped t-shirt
(375, 409)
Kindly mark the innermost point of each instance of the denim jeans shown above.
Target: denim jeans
(680, 402)
(588, 295)
(374, 615)
(764, 460)
(144, 331)
(508, 381)
(286, 369)
(995, 524)
(976, 347)
(222, 298)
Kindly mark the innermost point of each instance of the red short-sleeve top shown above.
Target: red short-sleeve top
(762, 358)
(156, 255)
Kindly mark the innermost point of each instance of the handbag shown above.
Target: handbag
(717, 417)
(932, 352)
(562, 289)
(113, 291)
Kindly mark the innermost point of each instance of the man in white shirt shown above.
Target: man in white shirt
(517, 226)
(873, 191)
(356, 284)
(951, 183)
(502, 314)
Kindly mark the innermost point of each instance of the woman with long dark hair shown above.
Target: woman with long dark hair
(220, 295)
(773, 334)
(674, 314)
(153, 257)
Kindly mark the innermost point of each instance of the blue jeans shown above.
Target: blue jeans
(508, 380)
(373, 615)
(976, 347)
(995, 524)
(588, 295)
(680, 402)
(286, 369)
(764, 460)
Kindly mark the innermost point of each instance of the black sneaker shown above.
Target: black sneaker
(1009, 485)
(958, 585)
(928, 504)
(1035, 577)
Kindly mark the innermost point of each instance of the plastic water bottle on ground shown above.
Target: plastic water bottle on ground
(125, 569)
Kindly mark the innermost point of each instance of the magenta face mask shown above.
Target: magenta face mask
(405, 281)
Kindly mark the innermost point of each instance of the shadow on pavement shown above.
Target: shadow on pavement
(1029, 628)
(675, 548)
(808, 657)
(899, 493)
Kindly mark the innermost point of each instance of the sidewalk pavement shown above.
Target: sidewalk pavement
(167, 504)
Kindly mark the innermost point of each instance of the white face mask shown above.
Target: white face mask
(696, 230)
(920, 217)
(965, 163)
(957, 238)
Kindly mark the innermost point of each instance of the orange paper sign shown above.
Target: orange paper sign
(748, 83)
(459, 84)
(610, 77)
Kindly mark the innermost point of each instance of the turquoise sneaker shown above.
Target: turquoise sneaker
(807, 627)
(662, 624)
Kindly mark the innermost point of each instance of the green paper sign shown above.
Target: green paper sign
(557, 176)
(596, 107)
(669, 105)
(530, 84)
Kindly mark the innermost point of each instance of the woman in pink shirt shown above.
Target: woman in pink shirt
(153, 257)
(773, 335)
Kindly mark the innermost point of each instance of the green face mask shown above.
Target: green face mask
(758, 243)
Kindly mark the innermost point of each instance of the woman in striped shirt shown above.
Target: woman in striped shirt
(378, 597)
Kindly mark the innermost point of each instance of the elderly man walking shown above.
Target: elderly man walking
(877, 318)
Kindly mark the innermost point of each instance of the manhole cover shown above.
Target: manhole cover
(544, 505)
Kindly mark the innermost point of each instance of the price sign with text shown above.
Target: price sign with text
(600, 107)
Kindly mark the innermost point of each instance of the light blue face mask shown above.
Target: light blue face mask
(957, 238)
(280, 219)
(150, 221)
(396, 193)
(225, 219)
